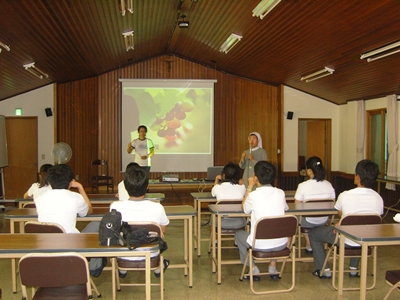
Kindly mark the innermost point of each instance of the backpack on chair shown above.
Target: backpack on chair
(110, 228)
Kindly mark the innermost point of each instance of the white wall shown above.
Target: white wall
(33, 103)
(306, 106)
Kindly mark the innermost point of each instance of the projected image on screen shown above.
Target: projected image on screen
(179, 120)
(176, 119)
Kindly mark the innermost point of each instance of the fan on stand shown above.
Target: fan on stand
(61, 153)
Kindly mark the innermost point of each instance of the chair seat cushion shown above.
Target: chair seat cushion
(230, 231)
(75, 292)
(353, 251)
(263, 254)
(141, 264)
(393, 276)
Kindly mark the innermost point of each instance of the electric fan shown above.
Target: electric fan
(61, 153)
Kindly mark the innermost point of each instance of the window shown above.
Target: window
(377, 138)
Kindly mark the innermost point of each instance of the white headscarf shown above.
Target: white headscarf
(258, 138)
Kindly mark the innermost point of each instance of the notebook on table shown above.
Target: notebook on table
(212, 172)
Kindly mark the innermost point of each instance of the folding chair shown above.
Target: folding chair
(353, 251)
(49, 227)
(304, 230)
(99, 175)
(272, 228)
(56, 275)
(156, 262)
(229, 233)
(393, 279)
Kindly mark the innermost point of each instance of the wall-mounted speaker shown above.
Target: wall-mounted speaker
(48, 111)
(289, 115)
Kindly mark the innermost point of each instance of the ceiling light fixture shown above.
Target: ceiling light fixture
(128, 39)
(264, 7)
(31, 68)
(381, 52)
(4, 46)
(183, 23)
(317, 75)
(126, 6)
(230, 42)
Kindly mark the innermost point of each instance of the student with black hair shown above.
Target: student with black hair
(316, 187)
(358, 201)
(39, 187)
(264, 201)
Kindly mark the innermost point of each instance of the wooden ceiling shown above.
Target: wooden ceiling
(76, 39)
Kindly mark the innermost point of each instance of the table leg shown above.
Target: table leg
(113, 277)
(363, 279)
(190, 253)
(341, 265)
(185, 245)
(147, 274)
(219, 244)
(198, 228)
(14, 275)
(214, 267)
(195, 223)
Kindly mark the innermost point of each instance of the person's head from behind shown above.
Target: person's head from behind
(265, 172)
(367, 171)
(136, 181)
(43, 174)
(231, 173)
(131, 165)
(142, 130)
(60, 176)
(315, 169)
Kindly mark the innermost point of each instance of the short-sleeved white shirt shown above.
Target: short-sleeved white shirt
(35, 191)
(359, 201)
(265, 201)
(142, 148)
(122, 192)
(62, 207)
(228, 191)
(313, 189)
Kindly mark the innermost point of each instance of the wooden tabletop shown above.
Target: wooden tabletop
(371, 233)
(297, 208)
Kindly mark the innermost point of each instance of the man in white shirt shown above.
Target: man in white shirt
(265, 201)
(358, 201)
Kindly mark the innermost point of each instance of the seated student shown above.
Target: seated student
(60, 205)
(39, 187)
(122, 192)
(314, 188)
(137, 209)
(264, 201)
(227, 187)
(358, 201)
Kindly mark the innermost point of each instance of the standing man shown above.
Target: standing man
(144, 149)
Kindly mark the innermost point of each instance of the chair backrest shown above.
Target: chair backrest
(29, 205)
(360, 219)
(41, 227)
(275, 227)
(151, 226)
(230, 201)
(53, 270)
(99, 167)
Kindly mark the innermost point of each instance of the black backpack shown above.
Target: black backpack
(110, 228)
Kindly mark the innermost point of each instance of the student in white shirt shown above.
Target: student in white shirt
(39, 187)
(264, 201)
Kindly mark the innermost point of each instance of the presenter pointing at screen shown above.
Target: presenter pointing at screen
(251, 156)
(144, 149)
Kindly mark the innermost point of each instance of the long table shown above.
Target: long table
(104, 200)
(15, 246)
(178, 212)
(366, 236)
(235, 210)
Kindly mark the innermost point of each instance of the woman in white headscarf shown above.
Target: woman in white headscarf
(251, 156)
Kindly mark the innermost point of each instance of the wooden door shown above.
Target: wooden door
(22, 146)
(316, 139)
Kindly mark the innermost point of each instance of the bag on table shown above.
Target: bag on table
(110, 228)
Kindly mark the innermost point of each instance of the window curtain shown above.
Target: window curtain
(392, 138)
(360, 130)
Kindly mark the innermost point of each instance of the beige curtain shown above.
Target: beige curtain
(360, 130)
(392, 138)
